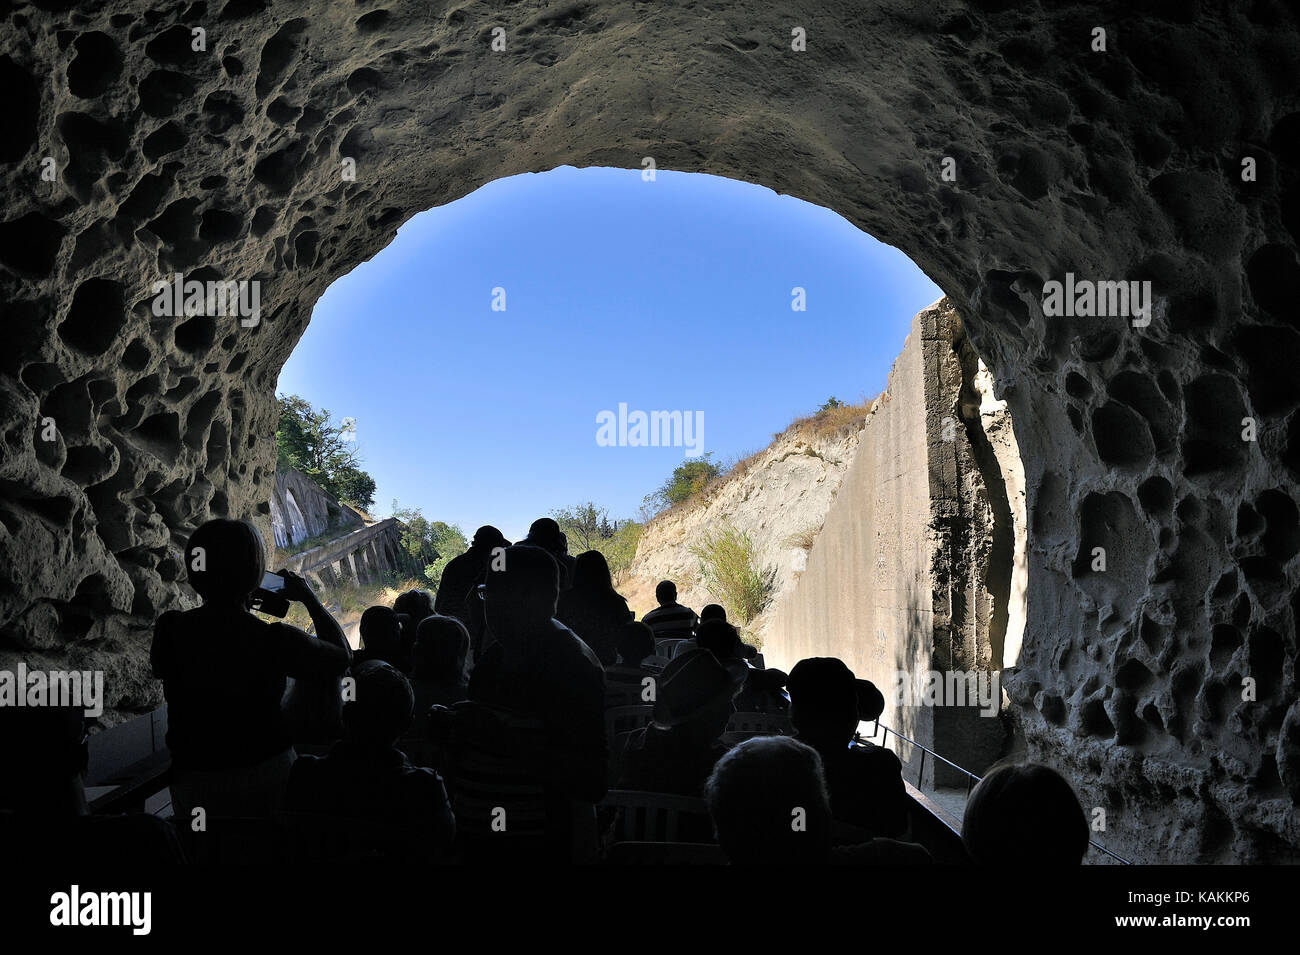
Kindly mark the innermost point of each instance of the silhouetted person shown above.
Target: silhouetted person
(441, 650)
(224, 671)
(545, 533)
(670, 620)
(43, 810)
(761, 692)
(381, 636)
(865, 781)
(413, 606)
(539, 668)
(591, 608)
(769, 806)
(676, 752)
(634, 642)
(365, 776)
(713, 612)
(1024, 816)
(462, 575)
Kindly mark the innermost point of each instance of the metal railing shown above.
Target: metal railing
(971, 778)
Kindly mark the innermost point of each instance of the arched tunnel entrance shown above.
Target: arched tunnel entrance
(1001, 149)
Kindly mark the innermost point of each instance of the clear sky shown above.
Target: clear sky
(670, 295)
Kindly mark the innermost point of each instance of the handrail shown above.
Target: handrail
(971, 778)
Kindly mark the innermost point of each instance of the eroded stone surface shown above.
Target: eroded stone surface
(1116, 165)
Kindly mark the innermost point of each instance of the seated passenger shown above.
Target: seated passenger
(591, 608)
(438, 676)
(670, 620)
(769, 806)
(381, 636)
(761, 692)
(635, 642)
(411, 607)
(865, 781)
(224, 671)
(365, 776)
(676, 752)
(1025, 816)
(539, 668)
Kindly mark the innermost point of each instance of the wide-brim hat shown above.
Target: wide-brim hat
(691, 685)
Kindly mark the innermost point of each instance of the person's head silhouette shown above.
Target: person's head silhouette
(415, 604)
(383, 706)
(713, 612)
(1027, 816)
(487, 537)
(823, 701)
(769, 803)
(719, 638)
(225, 561)
(381, 634)
(441, 646)
(635, 641)
(591, 572)
(694, 697)
(545, 533)
(666, 593)
(520, 594)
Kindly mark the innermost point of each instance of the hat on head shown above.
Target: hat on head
(819, 678)
(690, 685)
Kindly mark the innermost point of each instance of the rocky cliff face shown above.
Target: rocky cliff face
(779, 497)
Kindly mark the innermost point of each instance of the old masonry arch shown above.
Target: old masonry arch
(1167, 152)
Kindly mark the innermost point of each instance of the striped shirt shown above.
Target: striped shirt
(671, 620)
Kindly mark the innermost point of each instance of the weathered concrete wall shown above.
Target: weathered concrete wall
(301, 508)
(912, 569)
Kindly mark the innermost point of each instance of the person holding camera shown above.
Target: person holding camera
(224, 673)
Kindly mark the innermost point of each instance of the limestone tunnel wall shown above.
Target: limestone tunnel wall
(1173, 156)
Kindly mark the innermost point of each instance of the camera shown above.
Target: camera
(269, 596)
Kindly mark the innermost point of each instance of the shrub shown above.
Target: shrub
(727, 568)
(803, 539)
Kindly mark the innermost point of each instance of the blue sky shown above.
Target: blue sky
(666, 295)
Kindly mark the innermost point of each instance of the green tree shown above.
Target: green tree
(307, 439)
(687, 480)
(831, 403)
(582, 524)
(449, 541)
(432, 543)
(355, 487)
(619, 548)
(589, 527)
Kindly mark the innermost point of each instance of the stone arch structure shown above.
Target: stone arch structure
(1127, 164)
